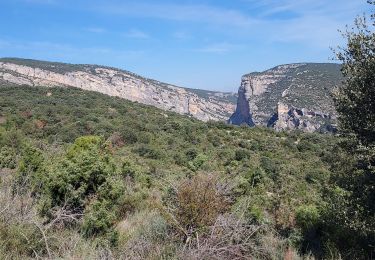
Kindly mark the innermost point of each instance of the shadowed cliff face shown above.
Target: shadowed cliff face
(294, 96)
(201, 104)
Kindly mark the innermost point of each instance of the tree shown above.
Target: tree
(353, 196)
(355, 100)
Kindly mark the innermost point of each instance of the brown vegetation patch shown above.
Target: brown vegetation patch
(40, 124)
(27, 114)
(200, 201)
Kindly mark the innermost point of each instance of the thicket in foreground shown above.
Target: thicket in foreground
(94, 181)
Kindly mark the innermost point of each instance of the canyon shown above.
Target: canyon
(287, 97)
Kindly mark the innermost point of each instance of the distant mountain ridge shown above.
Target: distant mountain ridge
(287, 97)
(201, 104)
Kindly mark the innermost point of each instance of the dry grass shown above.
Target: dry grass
(233, 238)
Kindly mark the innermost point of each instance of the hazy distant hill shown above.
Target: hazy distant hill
(293, 96)
(201, 104)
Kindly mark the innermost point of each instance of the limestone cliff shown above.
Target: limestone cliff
(293, 96)
(201, 104)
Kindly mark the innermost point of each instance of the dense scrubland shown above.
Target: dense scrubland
(88, 176)
(84, 175)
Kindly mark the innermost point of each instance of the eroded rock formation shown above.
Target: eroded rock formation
(294, 96)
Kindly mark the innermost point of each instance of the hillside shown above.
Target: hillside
(201, 104)
(89, 176)
(292, 96)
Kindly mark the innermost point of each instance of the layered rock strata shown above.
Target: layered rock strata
(288, 97)
(203, 105)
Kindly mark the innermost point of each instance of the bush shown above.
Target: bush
(191, 154)
(129, 136)
(149, 152)
(241, 154)
(199, 202)
(98, 218)
(21, 241)
(12, 138)
(29, 168)
(249, 180)
(270, 166)
(84, 181)
(198, 162)
(7, 158)
(214, 139)
(230, 237)
(307, 217)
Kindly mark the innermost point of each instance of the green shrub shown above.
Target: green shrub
(214, 139)
(84, 181)
(256, 214)
(180, 159)
(13, 138)
(129, 136)
(98, 219)
(29, 169)
(249, 180)
(7, 157)
(269, 166)
(191, 154)
(198, 162)
(241, 154)
(307, 217)
(149, 152)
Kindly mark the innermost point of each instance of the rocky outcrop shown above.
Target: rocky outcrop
(287, 97)
(203, 105)
(291, 118)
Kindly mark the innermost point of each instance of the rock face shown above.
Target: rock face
(201, 104)
(294, 96)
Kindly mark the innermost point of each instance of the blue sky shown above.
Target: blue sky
(204, 44)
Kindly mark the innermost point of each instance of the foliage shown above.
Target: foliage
(353, 193)
(99, 162)
(307, 217)
(83, 182)
(28, 170)
(7, 157)
(356, 97)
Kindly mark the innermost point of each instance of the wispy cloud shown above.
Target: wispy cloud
(95, 30)
(311, 22)
(219, 48)
(41, 1)
(40, 49)
(303, 7)
(137, 34)
(182, 35)
(214, 36)
(179, 12)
